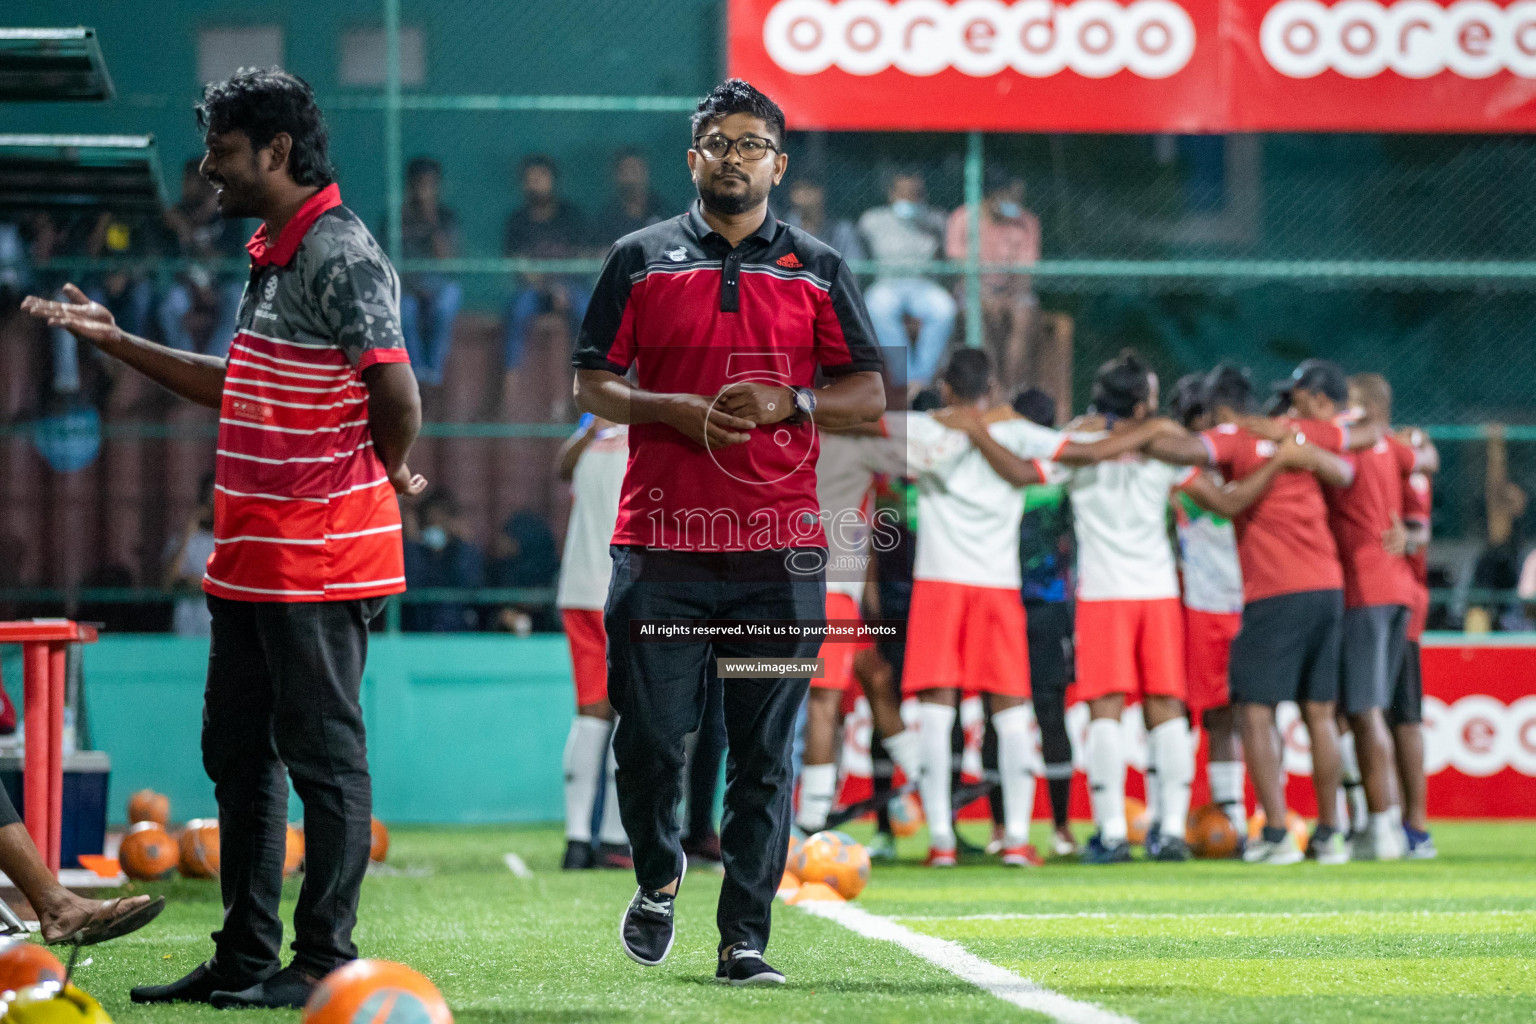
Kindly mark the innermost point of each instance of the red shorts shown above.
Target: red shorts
(837, 668)
(589, 653)
(1207, 651)
(1130, 647)
(966, 638)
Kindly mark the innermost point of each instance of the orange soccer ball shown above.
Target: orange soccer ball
(1294, 823)
(293, 852)
(24, 964)
(1136, 821)
(1210, 833)
(378, 849)
(836, 860)
(147, 805)
(376, 992)
(906, 815)
(200, 848)
(147, 852)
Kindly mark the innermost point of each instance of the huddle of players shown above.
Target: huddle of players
(1301, 540)
(1295, 535)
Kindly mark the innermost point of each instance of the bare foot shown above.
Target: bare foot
(75, 912)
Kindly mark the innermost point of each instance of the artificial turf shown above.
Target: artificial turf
(1446, 940)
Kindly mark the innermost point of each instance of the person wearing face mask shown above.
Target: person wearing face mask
(902, 236)
(1009, 234)
(439, 556)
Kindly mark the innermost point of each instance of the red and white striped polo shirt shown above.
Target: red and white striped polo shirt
(303, 510)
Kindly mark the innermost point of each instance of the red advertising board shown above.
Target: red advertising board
(1145, 66)
(1479, 736)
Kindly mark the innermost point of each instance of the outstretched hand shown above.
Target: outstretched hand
(80, 316)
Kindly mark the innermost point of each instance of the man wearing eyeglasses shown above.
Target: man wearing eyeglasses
(725, 315)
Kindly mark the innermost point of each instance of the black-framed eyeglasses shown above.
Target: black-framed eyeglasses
(749, 147)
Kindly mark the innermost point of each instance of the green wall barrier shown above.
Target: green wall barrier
(461, 728)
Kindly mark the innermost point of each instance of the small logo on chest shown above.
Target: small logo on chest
(676, 255)
(789, 261)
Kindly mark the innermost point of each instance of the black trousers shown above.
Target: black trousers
(281, 700)
(704, 762)
(658, 689)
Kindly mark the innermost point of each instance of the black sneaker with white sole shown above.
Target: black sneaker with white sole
(646, 929)
(746, 967)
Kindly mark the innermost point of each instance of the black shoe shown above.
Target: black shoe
(197, 987)
(288, 989)
(578, 856)
(746, 967)
(646, 929)
(614, 855)
(1172, 848)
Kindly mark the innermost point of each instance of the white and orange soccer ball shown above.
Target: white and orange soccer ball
(834, 859)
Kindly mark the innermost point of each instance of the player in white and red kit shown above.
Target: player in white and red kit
(969, 617)
(845, 474)
(593, 460)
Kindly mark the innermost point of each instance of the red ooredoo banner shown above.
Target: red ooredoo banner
(1145, 66)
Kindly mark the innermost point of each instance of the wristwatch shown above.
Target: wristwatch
(805, 405)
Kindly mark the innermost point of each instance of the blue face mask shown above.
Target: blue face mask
(434, 538)
(904, 208)
(1009, 210)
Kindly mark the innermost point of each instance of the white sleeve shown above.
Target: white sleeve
(1028, 440)
(931, 447)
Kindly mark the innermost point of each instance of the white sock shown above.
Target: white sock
(818, 788)
(906, 753)
(1175, 774)
(1151, 787)
(611, 829)
(583, 763)
(1357, 811)
(1016, 764)
(934, 724)
(1106, 777)
(1226, 778)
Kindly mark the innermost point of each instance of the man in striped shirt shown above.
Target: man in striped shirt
(317, 410)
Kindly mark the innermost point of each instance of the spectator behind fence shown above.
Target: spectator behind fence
(524, 554)
(126, 292)
(808, 212)
(901, 237)
(1009, 234)
(186, 558)
(635, 204)
(544, 227)
(429, 302)
(438, 554)
(203, 302)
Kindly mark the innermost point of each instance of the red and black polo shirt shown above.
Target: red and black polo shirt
(692, 314)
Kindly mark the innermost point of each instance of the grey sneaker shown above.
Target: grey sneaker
(1277, 852)
(1332, 850)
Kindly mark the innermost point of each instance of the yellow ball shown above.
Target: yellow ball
(836, 860)
(51, 1003)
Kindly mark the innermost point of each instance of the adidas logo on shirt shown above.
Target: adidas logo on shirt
(790, 261)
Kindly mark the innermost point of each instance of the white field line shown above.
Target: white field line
(516, 865)
(1091, 915)
(952, 957)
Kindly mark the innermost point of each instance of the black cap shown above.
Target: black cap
(1320, 376)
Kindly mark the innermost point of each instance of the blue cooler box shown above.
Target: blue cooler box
(85, 801)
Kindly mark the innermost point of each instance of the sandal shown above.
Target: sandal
(106, 924)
